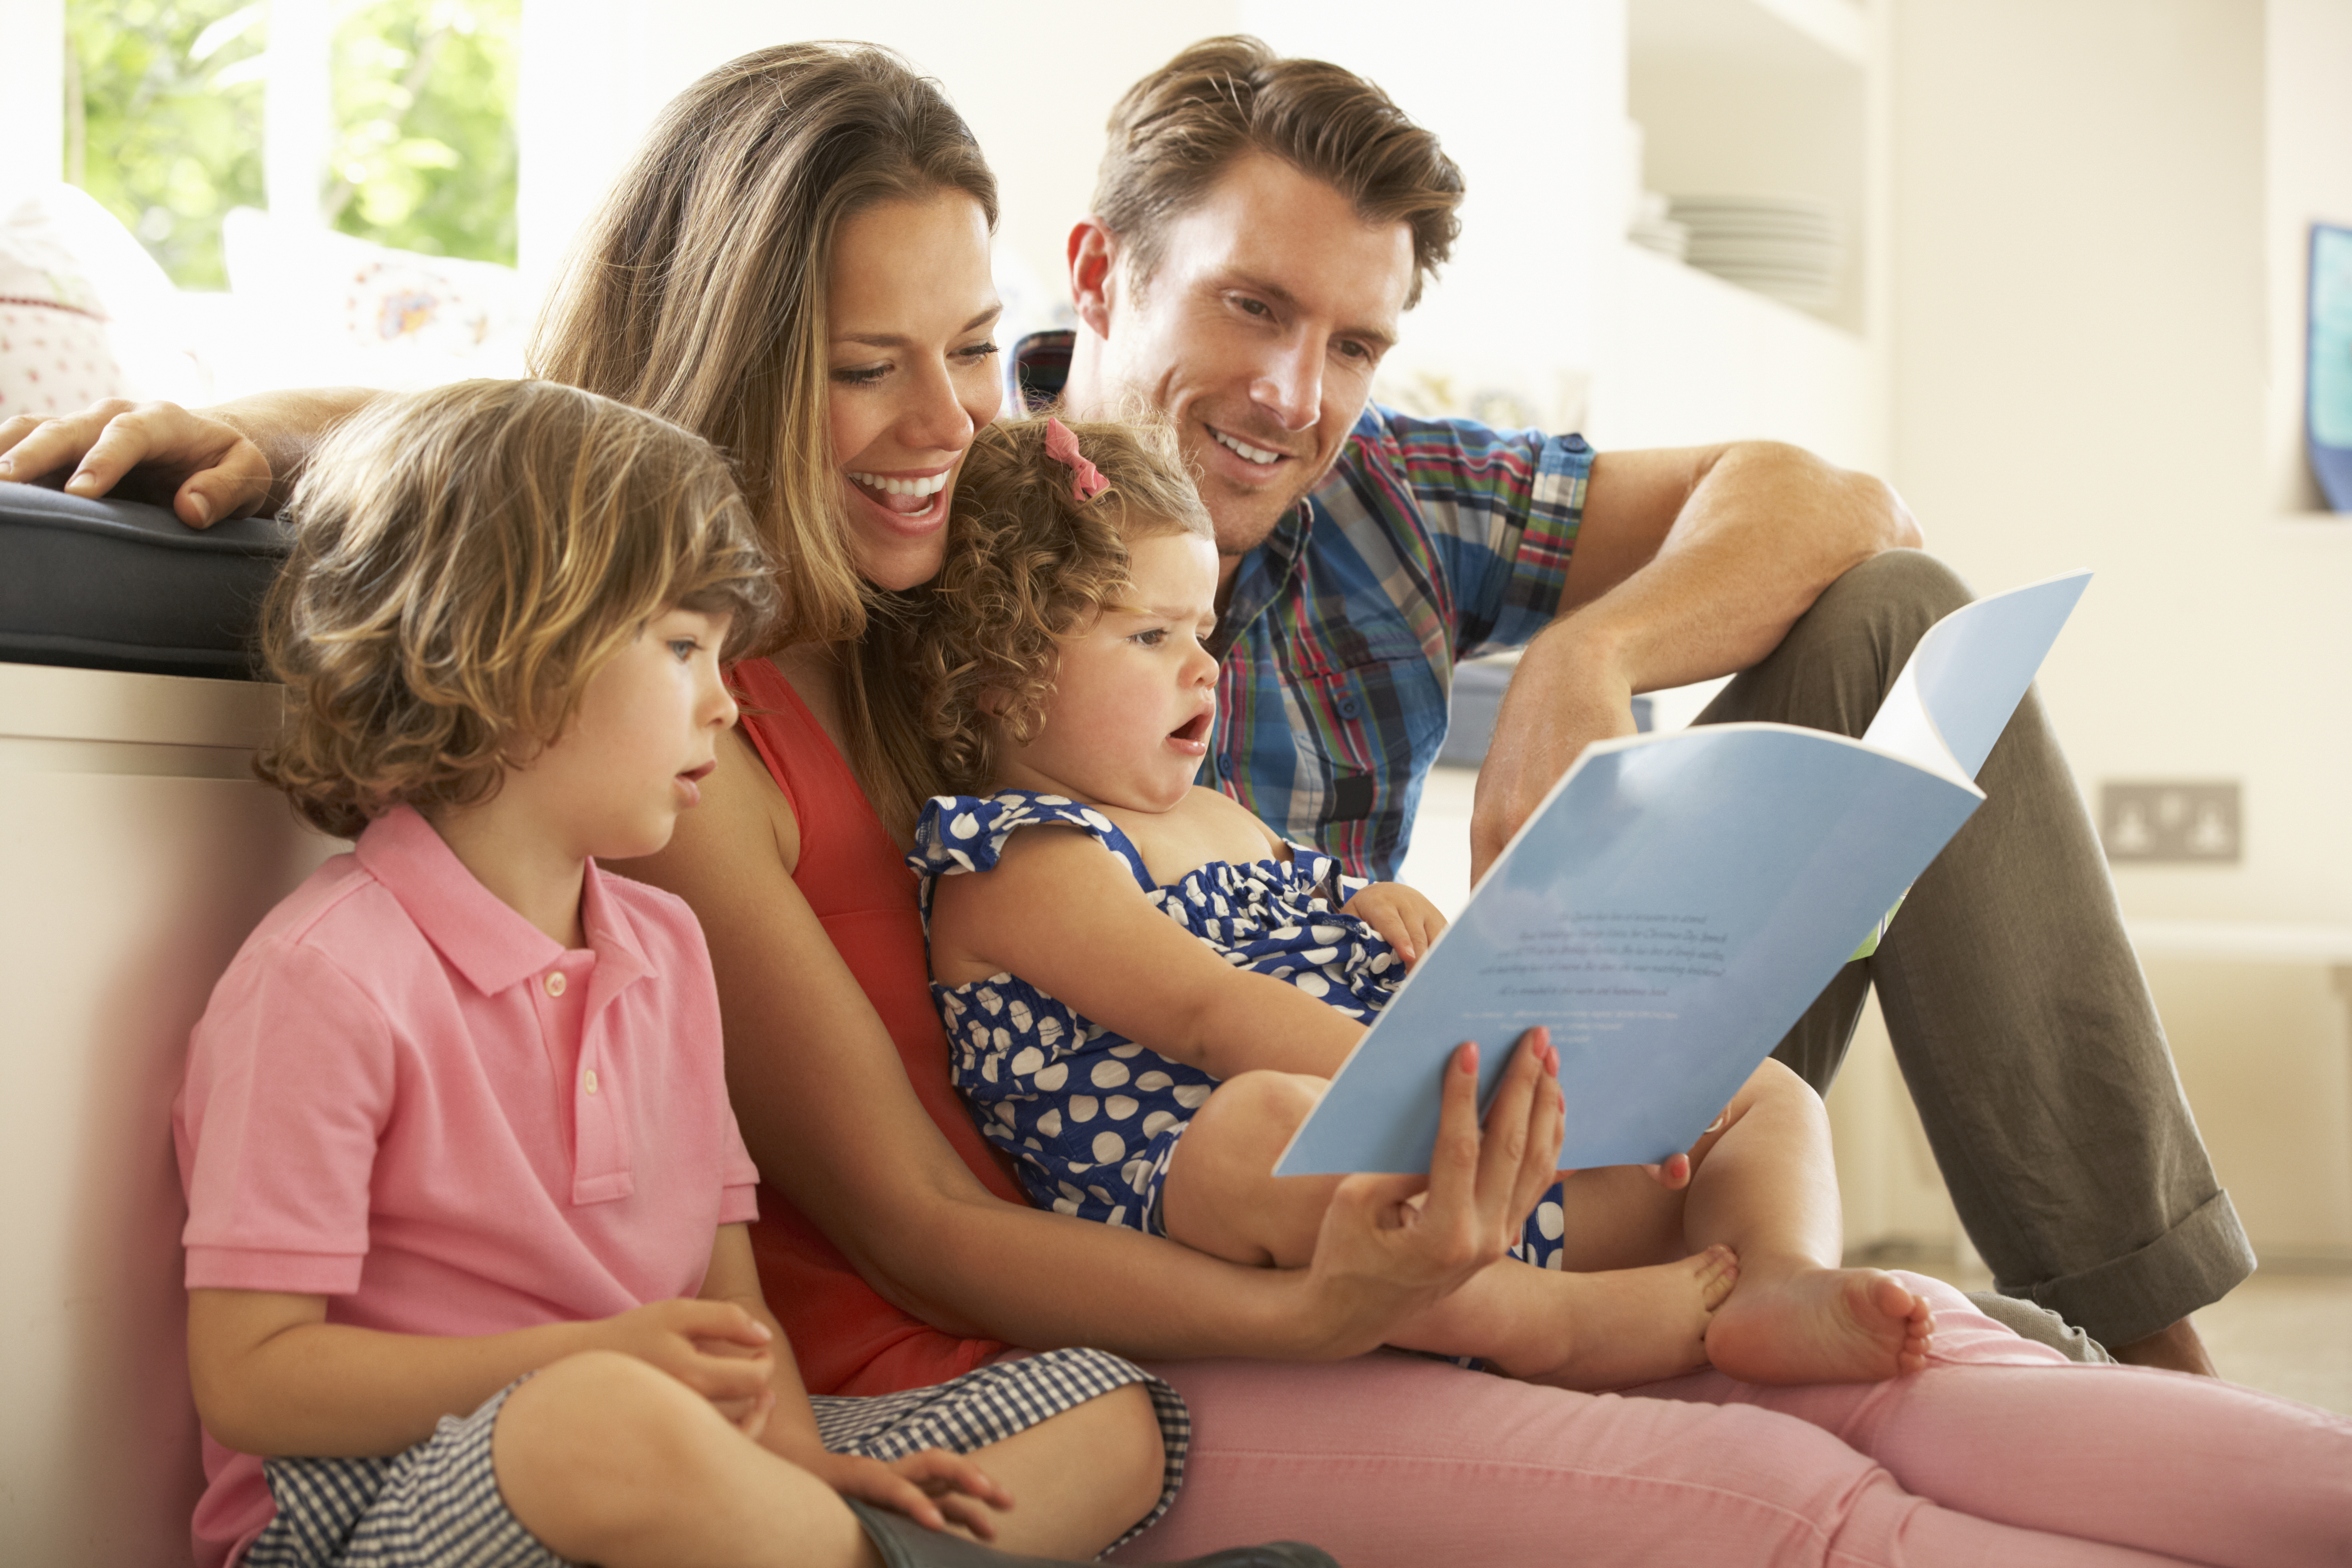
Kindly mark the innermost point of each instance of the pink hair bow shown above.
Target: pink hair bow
(1061, 445)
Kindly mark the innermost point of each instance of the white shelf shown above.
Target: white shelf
(1698, 360)
(1764, 97)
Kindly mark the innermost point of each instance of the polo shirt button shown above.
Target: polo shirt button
(555, 983)
(588, 1080)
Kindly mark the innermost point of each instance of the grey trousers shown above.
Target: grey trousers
(2016, 1005)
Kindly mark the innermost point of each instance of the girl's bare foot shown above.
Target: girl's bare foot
(1810, 1324)
(1637, 1325)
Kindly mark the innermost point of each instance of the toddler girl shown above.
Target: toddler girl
(1147, 991)
(465, 1244)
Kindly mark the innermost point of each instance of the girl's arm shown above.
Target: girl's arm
(826, 1110)
(1062, 913)
(272, 1377)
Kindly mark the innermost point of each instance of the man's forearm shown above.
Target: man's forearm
(1763, 529)
(1697, 573)
(287, 425)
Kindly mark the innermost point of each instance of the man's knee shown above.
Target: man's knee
(1909, 588)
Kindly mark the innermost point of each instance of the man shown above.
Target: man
(1261, 227)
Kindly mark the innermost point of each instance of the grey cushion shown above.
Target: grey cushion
(117, 585)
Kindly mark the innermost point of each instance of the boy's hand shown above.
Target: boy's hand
(931, 1487)
(715, 1348)
(1406, 921)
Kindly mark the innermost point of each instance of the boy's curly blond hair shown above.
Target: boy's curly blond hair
(465, 559)
(1029, 564)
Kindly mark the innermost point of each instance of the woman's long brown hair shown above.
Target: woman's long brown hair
(699, 294)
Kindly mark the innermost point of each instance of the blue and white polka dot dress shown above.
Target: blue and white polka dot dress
(1090, 1118)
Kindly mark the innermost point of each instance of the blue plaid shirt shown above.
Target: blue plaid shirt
(1431, 542)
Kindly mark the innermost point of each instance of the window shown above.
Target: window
(168, 121)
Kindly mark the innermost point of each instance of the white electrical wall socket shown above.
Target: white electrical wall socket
(2174, 823)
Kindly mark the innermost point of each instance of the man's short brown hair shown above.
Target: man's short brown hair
(1179, 128)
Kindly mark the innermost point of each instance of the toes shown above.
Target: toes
(1718, 1272)
(1888, 1295)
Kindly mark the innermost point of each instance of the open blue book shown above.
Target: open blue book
(1678, 900)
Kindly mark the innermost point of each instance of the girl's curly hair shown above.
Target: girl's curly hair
(465, 559)
(1028, 563)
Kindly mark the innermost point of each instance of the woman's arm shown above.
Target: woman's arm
(930, 1488)
(831, 1121)
(225, 461)
(1065, 914)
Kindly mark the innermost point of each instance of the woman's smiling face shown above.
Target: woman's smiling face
(914, 371)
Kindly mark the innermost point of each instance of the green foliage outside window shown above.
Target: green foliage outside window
(425, 93)
(169, 129)
(164, 103)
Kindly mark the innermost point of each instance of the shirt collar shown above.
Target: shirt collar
(479, 936)
(1262, 575)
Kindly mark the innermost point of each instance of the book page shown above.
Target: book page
(1966, 676)
(1675, 904)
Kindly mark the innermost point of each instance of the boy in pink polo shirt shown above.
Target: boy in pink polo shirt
(466, 1256)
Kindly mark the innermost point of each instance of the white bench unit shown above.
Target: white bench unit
(139, 853)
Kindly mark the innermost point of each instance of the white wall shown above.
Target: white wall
(2079, 379)
(2082, 365)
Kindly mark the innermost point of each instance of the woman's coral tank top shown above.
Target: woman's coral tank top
(847, 1339)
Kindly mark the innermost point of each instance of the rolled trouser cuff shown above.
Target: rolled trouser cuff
(2028, 1321)
(2193, 1265)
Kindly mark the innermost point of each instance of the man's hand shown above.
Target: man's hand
(1566, 695)
(931, 1487)
(1689, 564)
(1405, 920)
(201, 469)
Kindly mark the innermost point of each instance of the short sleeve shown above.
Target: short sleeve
(1500, 509)
(290, 1084)
(739, 1199)
(959, 833)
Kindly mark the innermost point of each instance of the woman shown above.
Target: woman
(797, 268)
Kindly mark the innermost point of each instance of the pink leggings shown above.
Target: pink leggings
(2001, 1452)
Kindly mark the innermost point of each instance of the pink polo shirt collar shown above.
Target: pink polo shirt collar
(494, 948)
(482, 938)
